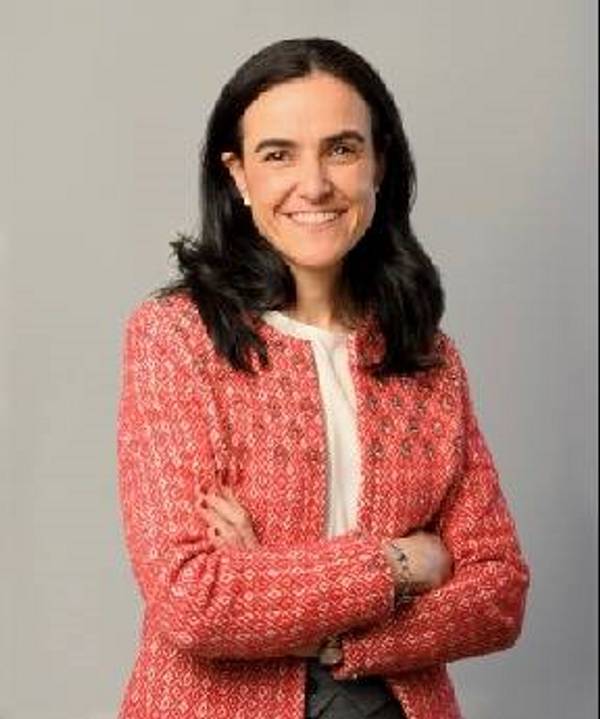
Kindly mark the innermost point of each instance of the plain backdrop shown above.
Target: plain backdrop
(104, 104)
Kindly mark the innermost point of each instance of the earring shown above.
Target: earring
(246, 201)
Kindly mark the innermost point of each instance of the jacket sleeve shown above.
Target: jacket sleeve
(225, 602)
(480, 609)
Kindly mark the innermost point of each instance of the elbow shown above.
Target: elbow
(511, 608)
(509, 630)
(183, 624)
(184, 641)
(187, 609)
(198, 611)
(521, 604)
(212, 634)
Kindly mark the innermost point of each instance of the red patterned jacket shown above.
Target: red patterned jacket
(218, 625)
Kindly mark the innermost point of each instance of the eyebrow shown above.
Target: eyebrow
(330, 140)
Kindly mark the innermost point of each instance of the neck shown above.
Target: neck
(318, 299)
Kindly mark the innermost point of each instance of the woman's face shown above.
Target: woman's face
(308, 170)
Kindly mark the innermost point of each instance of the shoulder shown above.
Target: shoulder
(447, 351)
(448, 379)
(164, 313)
(452, 383)
(171, 321)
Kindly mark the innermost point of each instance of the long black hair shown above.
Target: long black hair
(233, 274)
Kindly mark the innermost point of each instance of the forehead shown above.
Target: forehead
(310, 107)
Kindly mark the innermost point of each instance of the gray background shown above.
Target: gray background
(104, 107)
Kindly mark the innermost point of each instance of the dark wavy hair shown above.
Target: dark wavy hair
(233, 274)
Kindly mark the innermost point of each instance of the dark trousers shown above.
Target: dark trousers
(329, 698)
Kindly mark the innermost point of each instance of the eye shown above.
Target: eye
(276, 156)
(343, 151)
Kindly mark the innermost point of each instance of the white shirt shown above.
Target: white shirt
(339, 404)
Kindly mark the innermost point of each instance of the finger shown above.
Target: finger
(227, 492)
(215, 538)
(246, 529)
(220, 531)
(228, 532)
(234, 513)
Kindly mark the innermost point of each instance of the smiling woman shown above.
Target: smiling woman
(313, 516)
(309, 171)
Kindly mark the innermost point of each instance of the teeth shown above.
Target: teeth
(313, 218)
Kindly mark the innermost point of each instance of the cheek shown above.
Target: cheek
(364, 210)
(365, 200)
(266, 189)
(358, 185)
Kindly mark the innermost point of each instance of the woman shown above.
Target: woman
(312, 514)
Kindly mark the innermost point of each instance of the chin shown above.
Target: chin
(316, 263)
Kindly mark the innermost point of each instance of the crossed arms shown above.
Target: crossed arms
(265, 602)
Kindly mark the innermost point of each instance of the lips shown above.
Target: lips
(314, 219)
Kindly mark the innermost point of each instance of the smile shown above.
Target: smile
(315, 218)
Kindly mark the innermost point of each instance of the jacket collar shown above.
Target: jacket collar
(365, 342)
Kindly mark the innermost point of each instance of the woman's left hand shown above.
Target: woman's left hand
(229, 524)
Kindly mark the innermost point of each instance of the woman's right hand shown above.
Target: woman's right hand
(427, 563)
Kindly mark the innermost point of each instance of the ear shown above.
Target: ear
(236, 169)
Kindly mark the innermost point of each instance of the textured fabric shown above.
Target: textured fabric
(338, 399)
(218, 625)
(362, 698)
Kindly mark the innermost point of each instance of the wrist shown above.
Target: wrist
(407, 583)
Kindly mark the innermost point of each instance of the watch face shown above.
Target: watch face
(331, 651)
(330, 656)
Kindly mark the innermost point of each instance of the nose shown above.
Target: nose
(314, 183)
